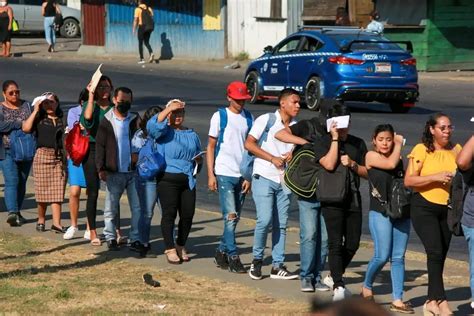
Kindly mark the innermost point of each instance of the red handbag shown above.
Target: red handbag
(77, 144)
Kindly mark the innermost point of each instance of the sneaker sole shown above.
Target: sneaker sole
(308, 290)
(238, 272)
(323, 290)
(254, 277)
(278, 277)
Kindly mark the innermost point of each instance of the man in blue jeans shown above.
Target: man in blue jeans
(228, 129)
(313, 234)
(272, 198)
(114, 163)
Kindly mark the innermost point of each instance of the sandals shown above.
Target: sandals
(172, 256)
(406, 308)
(96, 242)
(182, 254)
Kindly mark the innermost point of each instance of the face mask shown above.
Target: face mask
(3, 4)
(123, 107)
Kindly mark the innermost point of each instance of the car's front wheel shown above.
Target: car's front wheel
(398, 107)
(252, 85)
(312, 94)
(70, 28)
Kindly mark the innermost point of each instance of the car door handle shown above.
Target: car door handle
(310, 61)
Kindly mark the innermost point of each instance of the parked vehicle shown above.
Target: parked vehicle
(341, 63)
(29, 18)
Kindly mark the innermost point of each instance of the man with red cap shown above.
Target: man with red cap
(227, 133)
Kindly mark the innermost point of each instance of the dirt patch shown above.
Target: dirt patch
(40, 276)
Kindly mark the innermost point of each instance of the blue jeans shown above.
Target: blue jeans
(272, 201)
(469, 235)
(313, 239)
(148, 197)
(49, 31)
(117, 183)
(231, 200)
(390, 242)
(15, 174)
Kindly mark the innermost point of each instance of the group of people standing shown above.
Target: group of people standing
(327, 229)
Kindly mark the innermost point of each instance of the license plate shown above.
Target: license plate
(383, 67)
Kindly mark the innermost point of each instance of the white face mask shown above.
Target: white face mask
(3, 4)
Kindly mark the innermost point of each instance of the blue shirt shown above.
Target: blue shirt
(122, 134)
(179, 146)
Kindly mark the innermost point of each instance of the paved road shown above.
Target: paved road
(202, 86)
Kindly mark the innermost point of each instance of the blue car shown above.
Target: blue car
(343, 64)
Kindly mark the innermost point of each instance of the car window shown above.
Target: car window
(288, 46)
(345, 39)
(311, 44)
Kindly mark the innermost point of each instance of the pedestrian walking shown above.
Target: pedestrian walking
(227, 133)
(177, 185)
(98, 105)
(272, 198)
(342, 153)
(143, 25)
(6, 22)
(431, 166)
(390, 236)
(76, 177)
(49, 167)
(115, 165)
(13, 111)
(465, 162)
(147, 189)
(49, 9)
(313, 234)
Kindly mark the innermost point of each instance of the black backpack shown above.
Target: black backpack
(302, 171)
(333, 186)
(399, 198)
(457, 194)
(147, 20)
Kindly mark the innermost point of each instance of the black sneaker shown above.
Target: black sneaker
(13, 219)
(136, 246)
(146, 252)
(255, 271)
(236, 266)
(21, 219)
(221, 260)
(112, 245)
(282, 273)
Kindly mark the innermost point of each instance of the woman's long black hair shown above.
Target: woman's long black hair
(427, 138)
(149, 113)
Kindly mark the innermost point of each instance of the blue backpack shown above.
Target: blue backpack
(151, 161)
(223, 124)
(22, 145)
(246, 166)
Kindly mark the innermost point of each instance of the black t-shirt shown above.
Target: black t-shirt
(50, 135)
(313, 131)
(382, 180)
(50, 9)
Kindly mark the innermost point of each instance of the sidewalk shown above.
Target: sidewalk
(36, 48)
(203, 240)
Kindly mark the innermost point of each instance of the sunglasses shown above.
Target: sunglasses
(13, 92)
(446, 127)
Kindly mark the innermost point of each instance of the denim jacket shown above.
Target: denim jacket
(6, 128)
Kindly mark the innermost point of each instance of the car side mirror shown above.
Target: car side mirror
(268, 49)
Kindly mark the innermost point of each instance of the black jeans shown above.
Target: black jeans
(93, 185)
(176, 197)
(430, 223)
(144, 37)
(344, 230)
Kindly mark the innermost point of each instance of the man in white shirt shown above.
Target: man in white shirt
(228, 129)
(375, 26)
(272, 198)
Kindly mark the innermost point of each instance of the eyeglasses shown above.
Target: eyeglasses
(446, 127)
(13, 92)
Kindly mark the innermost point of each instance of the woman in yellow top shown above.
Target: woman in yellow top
(144, 23)
(431, 167)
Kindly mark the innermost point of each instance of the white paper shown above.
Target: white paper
(198, 155)
(342, 122)
(96, 78)
(472, 119)
(39, 99)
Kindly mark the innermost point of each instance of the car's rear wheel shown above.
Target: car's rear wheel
(252, 85)
(398, 107)
(70, 28)
(312, 94)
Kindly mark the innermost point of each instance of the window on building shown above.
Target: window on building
(402, 12)
(275, 9)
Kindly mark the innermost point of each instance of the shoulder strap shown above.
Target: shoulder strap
(271, 121)
(222, 126)
(248, 118)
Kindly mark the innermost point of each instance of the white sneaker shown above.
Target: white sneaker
(328, 281)
(87, 235)
(152, 58)
(472, 305)
(69, 234)
(339, 294)
(141, 61)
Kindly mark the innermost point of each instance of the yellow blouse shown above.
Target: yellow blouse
(431, 163)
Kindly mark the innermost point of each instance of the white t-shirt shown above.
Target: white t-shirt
(227, 162)
(272, 145)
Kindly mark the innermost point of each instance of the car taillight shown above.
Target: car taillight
(409, 62)
(342, 60)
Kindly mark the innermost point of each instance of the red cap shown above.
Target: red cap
(237, 90)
